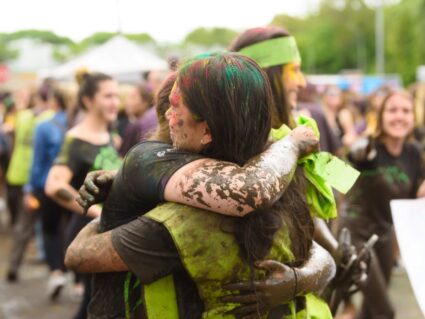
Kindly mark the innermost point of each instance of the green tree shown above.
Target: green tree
(42, 35)
(404, 31)
(140, 38)
(210, 37)
(7, 54)
(335, 37)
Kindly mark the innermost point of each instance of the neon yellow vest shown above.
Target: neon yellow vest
(20, 163)
(210, 254)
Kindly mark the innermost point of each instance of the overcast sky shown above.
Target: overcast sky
(165, 20)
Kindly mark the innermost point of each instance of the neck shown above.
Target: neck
(330, 110)
(393, 145)
(95, 123)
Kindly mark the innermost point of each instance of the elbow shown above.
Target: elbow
(242, 212)
(69, 263)
(332, 270)
(244, 209)
(72, 261)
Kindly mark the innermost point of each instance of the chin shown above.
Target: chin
(111, 117)
(399, 136)
(292, 101)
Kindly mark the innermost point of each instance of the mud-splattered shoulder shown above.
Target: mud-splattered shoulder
(149, 165)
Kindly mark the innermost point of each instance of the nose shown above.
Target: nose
(301, 80)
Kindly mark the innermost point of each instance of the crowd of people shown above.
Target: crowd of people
(170, 199)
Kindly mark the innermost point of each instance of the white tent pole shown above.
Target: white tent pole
(119, 30)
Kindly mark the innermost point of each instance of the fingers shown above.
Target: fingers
(248, 310)
(271, 266)
(103, 179)
(345, 237)
(241, 286)
(242, 299)
(86, 196)
(360, 278)
(90, 185)
(81, 202)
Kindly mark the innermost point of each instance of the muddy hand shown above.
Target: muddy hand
(259, 296)
(95, 188)
(305, 139)
(353, 266)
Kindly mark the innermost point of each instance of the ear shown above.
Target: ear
(206, 137)
(87, 102)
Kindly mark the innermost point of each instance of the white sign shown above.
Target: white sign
(409, 224)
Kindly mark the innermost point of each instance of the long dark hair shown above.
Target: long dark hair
(281, 112)
(89, 85)
(232, 94)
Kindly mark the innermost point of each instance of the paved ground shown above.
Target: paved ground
(27, 298)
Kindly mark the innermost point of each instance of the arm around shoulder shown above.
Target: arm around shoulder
(229, 189)
(93, 252)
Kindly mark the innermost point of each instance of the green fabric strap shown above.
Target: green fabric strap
(323, 171)
(127, 292)
(126, 295)
(161, 300)
(273, 52)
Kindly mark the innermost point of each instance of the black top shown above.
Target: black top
(137, 188)
(382, 179)
(82, 157)
(140, 182)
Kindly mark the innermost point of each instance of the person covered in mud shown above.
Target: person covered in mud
(391, 168)
(116, 250)
(275, 50)
(283, 68)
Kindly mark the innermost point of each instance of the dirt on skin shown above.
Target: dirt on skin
(27, 298)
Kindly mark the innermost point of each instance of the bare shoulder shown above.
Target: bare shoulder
(84, 133)
(76, 132)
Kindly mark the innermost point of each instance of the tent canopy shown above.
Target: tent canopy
(119, 57)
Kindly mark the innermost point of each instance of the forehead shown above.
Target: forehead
(292, 66)
(399, 100)
(175, 94)
(107, 85)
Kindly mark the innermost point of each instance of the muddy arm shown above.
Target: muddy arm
(229, 189)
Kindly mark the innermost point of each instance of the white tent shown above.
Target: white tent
(119, 57)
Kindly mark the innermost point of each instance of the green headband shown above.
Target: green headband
(273, 52)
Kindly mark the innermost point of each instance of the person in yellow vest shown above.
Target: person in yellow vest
(277, 232)
(18, 174)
